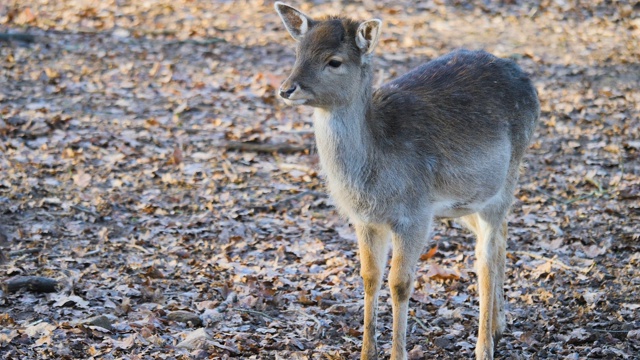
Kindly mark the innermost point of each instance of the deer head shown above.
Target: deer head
(332, 58)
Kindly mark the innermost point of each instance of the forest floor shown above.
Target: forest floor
(127, 178)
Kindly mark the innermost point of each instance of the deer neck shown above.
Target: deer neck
(344, 138)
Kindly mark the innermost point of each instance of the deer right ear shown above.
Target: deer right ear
(294, 20)
(368, 34)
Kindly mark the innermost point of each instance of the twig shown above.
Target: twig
(310, 317)
(27, 38)
(154, 32)
(555, 261)
(85, 210)
(255, 312)
(36, 284)
(203, 42)
(583, 197)
(279, 203)
(93, 252)
(46, 214)
(297, 196)
(422, 325)
(24, 252)
(265, 148)
(568, 201)
(549, 195)
(288, 167)
(609, 331)
(595, 183)
(138, 247)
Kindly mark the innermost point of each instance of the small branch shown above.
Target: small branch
(310, 317)
(255, 312)
(299, 195)
(24, 252)
(26, 38)
(422, 325)
(288, 199)
(289, 167)
(32, 283)
(609, 331)
(265, 148)
(85, 210)
(555, 262)
(568, 201)
(93, 252)
(583, 197)
(549, 195)
(138, 247)
(46, 214)
(204, 42)
(595, 183)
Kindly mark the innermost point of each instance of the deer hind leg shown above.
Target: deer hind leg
(408, 242)
(490, 230)
(499, 322)
(373, 242)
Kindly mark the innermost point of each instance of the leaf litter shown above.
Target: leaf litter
(152, 176)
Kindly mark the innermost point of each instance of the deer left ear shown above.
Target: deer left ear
(368, 34)
(294, 20)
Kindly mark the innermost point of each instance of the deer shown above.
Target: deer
(445, 140)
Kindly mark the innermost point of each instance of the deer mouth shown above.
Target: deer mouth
(295, 101)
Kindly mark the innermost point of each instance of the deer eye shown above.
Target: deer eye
(334, 63)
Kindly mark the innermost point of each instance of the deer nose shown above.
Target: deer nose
(286, 93)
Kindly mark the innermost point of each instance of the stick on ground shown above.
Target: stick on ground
(265, 148)
(36, 284)
(27, 38)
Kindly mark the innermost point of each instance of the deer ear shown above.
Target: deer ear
(294, 20)
(368, 34)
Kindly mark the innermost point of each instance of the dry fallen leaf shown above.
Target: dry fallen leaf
(71, 300)
(82, 179)
(126, 343)
(439, 273)
(429, 254)
(40, 329)
(195, 339)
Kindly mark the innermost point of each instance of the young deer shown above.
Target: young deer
(444, 140)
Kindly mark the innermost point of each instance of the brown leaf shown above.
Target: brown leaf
(594, 251)
(439, 273)
(195, 339)
(154, 273)
(429, 254)
(70, 300)
(39, 329)
(416, 353)
(52, 74)
(125, 343)
(176, 156)
(26, 16)
(82, 179)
